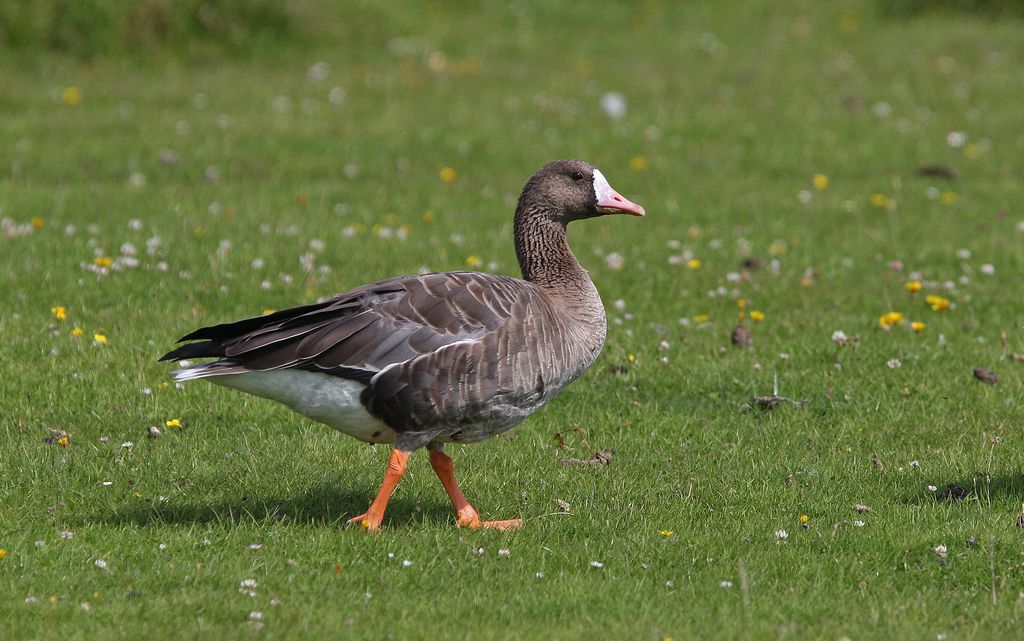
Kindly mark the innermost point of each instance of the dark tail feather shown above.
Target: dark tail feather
(216, 335)
(194, 350)
(225, 331)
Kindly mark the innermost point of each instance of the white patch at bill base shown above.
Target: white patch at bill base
(602, 189)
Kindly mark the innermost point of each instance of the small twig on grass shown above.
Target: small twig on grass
(769, 402)
(992, 564)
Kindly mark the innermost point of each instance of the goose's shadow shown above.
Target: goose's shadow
(324, 505)
(979, 486)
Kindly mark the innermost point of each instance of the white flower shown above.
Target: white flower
(726, 584)
(127, 445)
(932, 488)
(613, 104)
(255, 616)
(101, 564)
(839, 337)
(248, 586)
(915, 464)
(956, 139)
(615, 261)
(940, 550)
(988, 269)
(504, 552)
(963, 254)
(781, 535)
(858, 523)
(539, 575)
(893, 363)
(255, 546)
(67, 535)
(407, 563)
(596, 564)
(318, 71)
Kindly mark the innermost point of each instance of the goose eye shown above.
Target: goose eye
(577, 175)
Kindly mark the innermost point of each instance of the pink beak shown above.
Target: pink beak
(613, 203)
(610, 201)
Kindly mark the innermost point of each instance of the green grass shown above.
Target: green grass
(732, 127)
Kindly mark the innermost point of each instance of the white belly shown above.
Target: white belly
(322, 397)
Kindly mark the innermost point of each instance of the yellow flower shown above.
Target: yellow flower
(881, 200)
(103, 261)
(756, 316)
(71, 96)
(937, 303)
(3, 553)
(63, 441)
(631, 358)
(638, 163)
(948, 197)
(913, 286)
(850, 21)
(77, 332)
(428, 217)
(100, 338)
(741, 303)
(804, 518)
(694, 263)
(889, 319)
(918, 326)
(701, 318)
(174, 422)
(820, 182)
(665, 533)
(447, 174)
(38, 223)
(59, 312)
(473, 261)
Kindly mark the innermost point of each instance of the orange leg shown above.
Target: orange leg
(372, 518)
(464, 512)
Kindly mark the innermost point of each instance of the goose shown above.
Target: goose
(420, 361)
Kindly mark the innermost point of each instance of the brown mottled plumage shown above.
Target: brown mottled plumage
(423, 360)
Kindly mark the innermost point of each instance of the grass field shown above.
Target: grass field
(776, 148)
